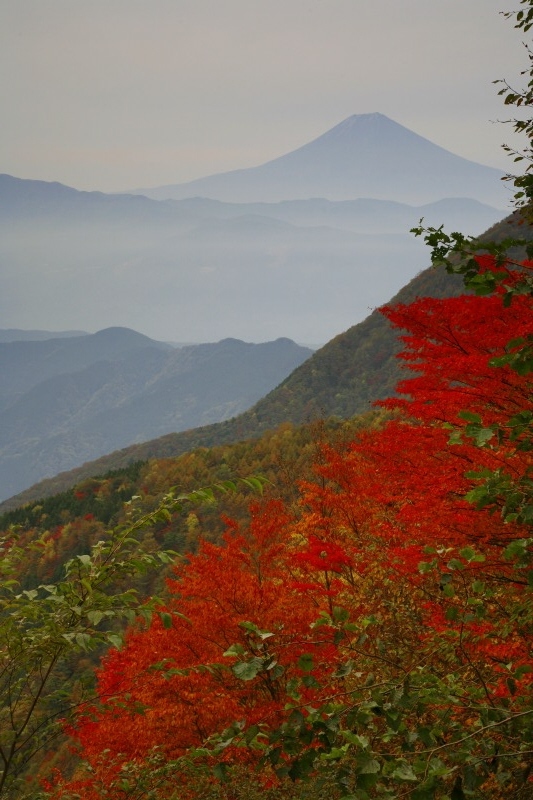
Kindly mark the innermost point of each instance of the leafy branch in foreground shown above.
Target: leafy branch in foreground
(42, 630)
(521, 98)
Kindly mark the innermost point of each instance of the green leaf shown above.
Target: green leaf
(302, 766)
(517, 549)
(469, 416)
(277, 671)
(220, 771)
(247, 670)
(344, 669)
(305, 662)
(251, 733)
(340, 614)
(234, 650)
(404, 772)
(366, 765)
(452, 613)
(422, 793)
(483, 435)
(454, 564)
(456, 438)
(83, 640)
(252, 627)
(323, 619)
(166, 619)
(115, 640)
(257, 483)
(360, 741)
(274, 755)
(523, 669)
(426, 736)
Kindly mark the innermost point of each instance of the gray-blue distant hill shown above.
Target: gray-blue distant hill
(69, 400)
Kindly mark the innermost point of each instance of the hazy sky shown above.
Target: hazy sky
(118, 94)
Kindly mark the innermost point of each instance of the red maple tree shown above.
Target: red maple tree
(386, 565)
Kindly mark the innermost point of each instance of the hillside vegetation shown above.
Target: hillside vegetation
(365, 626)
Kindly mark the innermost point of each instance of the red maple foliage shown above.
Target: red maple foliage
(383, 538)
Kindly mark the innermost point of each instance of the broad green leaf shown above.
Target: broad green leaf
(366, 765)
(404, 772)
(220, 771)
(234, 650)
(247, 670)
(305, 662)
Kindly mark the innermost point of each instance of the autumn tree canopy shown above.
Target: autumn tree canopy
(376, 639)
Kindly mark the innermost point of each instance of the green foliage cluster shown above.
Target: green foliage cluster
(43, 628)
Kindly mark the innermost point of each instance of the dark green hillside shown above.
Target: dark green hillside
(341, 379)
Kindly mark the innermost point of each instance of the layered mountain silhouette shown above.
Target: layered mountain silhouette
(41, 206)
(366, 155)
(334, 244)
(325, 240)
(200, 270)
(341, 379)
(69, 400)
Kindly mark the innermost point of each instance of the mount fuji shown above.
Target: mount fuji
(327, 239)
(367, 155)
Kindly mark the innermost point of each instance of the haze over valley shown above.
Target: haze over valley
(321, 239)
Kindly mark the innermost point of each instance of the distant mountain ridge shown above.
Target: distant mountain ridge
(25, 364)
(18, 335)
(66, 401)
(342, 378)
(24, 201)
(200, 270)
(366, 155)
